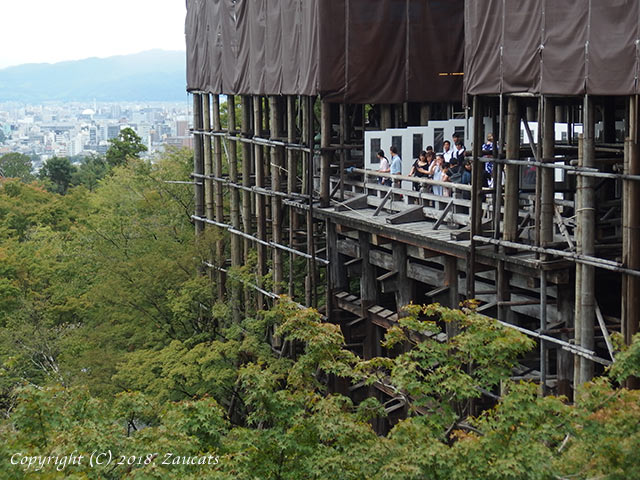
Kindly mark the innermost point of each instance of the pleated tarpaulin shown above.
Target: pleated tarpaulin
(568, 47)
(355, 51)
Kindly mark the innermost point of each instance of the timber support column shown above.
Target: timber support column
(577, 322)
(368, 296)
(292, 176)
(547, 174)
(451, 280)
(476, 196)
(260, 200)
(208, 160)
(385, 119)
(587, 218)
(337, 278)
(236, 247)
(247, 108)
(198, 163)
(511, 189)
(214, 275)
(425, 114)
(564, 358)
(404, 285)
(325, 144)
(546, 219)
(217, 189)
(632, 310)
(310, 280)
(277, 160)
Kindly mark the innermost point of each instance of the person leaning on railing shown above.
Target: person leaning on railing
(420, 168)
(396, 165)
(385, 167)
(437, 172)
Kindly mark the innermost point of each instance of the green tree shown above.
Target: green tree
(58, 173)
(125, 146)
(90, 172)
(16, 165)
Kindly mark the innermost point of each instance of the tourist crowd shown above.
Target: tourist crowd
(450, 165)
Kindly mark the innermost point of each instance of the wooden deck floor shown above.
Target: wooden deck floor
(422, 234)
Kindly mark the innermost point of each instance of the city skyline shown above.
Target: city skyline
(81, 129)
(41, 31)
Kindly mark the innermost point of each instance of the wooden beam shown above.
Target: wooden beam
(355, 203)
(445, 212)
(384, 201)
(414, 214)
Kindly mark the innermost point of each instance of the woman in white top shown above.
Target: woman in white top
(437, 172)
(385, 167)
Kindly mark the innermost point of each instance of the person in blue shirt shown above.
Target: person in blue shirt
(396, 165)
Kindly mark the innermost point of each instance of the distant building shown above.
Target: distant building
(113, 131)
(182, 128)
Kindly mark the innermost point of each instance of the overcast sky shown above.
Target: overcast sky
(35, 31)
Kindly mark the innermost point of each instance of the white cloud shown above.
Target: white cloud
(57, 30)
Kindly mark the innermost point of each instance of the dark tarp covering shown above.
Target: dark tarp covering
(355, 51)
(568, 47)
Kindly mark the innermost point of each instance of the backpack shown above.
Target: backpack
(456, 177)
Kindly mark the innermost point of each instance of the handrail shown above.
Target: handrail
(422, 180)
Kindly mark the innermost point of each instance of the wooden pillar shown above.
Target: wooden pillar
(208, 159)
(368, 295)
(502, 277)
(307, 123)
(564, 358)
(476, 195)
(236, 247)
(385, 117)
(277, 164)
(547, 174)
(292, 176)
(337, 280)
(247, 129)
(344, 153)
(587, 219)
(502, 290)
(630, 324)
(451, 280)
(310, 280)
(259, 198)
(217, 191)
(512, 180)
(577, 359)
(247, 162)
(325, 143)
(543, 328)
(404, 285)
(198, 162)
(538, 157)
(425, 114)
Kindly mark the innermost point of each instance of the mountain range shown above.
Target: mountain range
(154, 75)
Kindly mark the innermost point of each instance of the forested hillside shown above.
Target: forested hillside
(112, 344)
